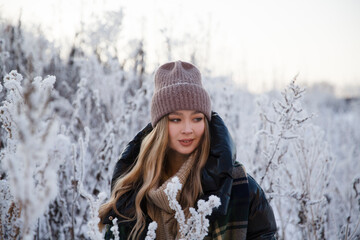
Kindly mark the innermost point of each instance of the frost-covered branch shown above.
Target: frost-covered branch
(115, 229)
(298, 165)
(196, 226)
(151, 233)
(171, 191)
(93, 222)
(286, 121)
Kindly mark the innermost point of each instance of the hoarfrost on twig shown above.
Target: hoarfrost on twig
(93, 231)
(196, 226)
(151, 234)
(115, 229)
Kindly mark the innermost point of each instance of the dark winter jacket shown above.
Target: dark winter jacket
(244, 212)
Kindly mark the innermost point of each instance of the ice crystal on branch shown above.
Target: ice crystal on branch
(151, 234)
(115, 229)
(171, 191)
(94, 220)
(196, 226)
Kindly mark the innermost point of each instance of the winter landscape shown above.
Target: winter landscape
(64, 121)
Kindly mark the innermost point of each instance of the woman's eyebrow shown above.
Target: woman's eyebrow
(180, 114)
(175, 113)
(195, 112)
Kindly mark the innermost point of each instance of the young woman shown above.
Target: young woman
(187, 140)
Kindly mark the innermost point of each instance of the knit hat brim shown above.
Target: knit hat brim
(180, 96)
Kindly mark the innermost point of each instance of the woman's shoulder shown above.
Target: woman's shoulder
(245, 186)
(241, 177)
(249, 201)
(239, 172)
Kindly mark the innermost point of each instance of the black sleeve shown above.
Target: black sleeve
(261, 220)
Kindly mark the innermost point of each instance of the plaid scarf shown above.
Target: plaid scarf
(233, 225)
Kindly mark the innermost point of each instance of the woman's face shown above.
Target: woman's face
(186, 128)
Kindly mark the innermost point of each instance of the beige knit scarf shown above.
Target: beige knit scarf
(158, 204)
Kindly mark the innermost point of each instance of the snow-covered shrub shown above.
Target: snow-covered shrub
(34, 150)
(295, 165)
(338, 117)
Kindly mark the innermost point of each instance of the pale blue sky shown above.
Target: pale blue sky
(259, 43)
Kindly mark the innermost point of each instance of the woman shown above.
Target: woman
(185, 139)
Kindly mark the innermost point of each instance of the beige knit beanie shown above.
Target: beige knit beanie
(178, 87)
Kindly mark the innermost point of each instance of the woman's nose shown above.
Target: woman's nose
(187, 128)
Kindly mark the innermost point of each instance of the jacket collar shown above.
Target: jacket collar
(216, 176)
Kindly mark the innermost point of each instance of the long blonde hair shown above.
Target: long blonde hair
(148, 170)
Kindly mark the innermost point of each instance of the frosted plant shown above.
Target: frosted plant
(4, 55)
(288, 118)
(198, 222)
(115, 229)
(298, 167)
(93, 222)
(196, 226)
(171, 191)
(151, 234)
(34, 148)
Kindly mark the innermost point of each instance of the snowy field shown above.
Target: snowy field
(61, 134)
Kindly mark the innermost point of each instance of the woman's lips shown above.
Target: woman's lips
(186, 142)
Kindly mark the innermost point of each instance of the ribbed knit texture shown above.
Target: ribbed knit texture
(178, 87)
(159, 209)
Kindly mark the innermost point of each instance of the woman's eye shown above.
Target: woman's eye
(174, 120)
(198, 119)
